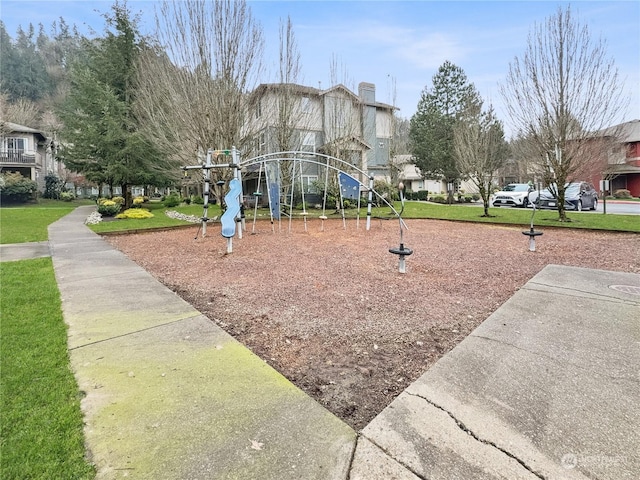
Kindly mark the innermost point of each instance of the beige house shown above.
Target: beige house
(336, 121)
(27, 151)
(410, 175)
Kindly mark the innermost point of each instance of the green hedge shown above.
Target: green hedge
(14, 188)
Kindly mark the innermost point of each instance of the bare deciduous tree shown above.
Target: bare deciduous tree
(288, 116)
(341, 115)
(23, 111)
(479, 148)
(193, 85)
(561, 92)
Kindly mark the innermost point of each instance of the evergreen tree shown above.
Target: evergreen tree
(58, 51)
(24, 75)
(101, 135)
(431, 128)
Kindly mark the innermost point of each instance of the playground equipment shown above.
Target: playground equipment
(307, 165)
(206, 170)
(401, 251)
(230, 215)
(301, 168)
(531, 232)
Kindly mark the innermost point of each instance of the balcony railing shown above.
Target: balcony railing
(17, 157)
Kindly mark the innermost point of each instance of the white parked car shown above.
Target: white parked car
(513, 195)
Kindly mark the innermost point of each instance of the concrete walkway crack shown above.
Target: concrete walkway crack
(467, 430)
(575, 292)
(388, 454)
(133, 332)
(352, 456)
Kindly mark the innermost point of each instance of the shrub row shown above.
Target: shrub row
(425, 195)
(419, 195)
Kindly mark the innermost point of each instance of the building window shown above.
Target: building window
(308, 141)
(309, 183)
(354, 157)
(305, 105)
(16, 145)
(258, 109)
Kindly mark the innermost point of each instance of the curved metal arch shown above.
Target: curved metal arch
(302, 156)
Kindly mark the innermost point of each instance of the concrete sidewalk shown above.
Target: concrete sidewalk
(23, 251)
(169, 395)
(547, 387)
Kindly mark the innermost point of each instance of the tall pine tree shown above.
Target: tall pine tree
(431, 128)
(102, 138)
(24, 75)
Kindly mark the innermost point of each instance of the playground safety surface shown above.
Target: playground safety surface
(545, 387)
(326, 306)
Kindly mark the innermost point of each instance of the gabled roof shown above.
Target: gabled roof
(408, 169)
(622, 168)
(628, 132)
(353, 138)
(311, 91)
(276, 87)
(631, 131)
(340, 87)
(357, 98)
(15, 128)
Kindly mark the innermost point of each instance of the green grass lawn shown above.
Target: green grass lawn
(40, 417)
(519, 216)
(159, 220)
(416, 210)
(19, 225)
(29, 222)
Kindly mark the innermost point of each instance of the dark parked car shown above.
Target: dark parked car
(577, 196)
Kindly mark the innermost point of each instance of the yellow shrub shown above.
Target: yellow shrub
(136, 213)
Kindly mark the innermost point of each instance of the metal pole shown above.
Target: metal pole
(255, 194)
(304, 206)
(267, 180)
(323, 217)
(207, 181)
(369, 203)
(293, 184)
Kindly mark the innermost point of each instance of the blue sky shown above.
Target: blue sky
(394, 42)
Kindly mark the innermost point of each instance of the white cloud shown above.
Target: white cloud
(430, 51)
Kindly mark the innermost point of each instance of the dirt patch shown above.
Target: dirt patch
(329, 310)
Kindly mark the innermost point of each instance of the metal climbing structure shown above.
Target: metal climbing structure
(285, 178)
